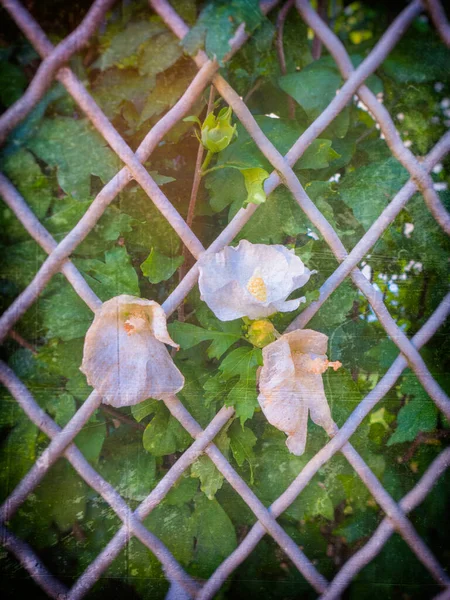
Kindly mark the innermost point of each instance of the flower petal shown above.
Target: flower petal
(126, 363)
(307, 340)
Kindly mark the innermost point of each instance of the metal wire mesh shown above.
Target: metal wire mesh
(58, 260)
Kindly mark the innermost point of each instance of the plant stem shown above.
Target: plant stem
(116, 414)
(198, 173)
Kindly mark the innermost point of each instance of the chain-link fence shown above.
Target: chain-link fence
(52, 66)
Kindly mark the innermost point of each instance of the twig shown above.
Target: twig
(253, 89)
(116, 414)
(322, 9)
(424, 438)
(21, 341)
(280, 49)
(193, 200)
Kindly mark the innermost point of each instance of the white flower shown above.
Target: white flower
(291, 384)
(125, 358)
(251, 280)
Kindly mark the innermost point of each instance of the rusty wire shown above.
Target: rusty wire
(58, 260)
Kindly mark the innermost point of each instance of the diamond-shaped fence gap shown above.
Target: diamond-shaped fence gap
(377, 55)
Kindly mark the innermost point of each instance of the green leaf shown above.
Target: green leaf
(114, 88)
(369, 189)
(242, 442)
(417, 59)
(419, 414)
(158, 267)
(90, 439)
(211, 479)
(214, 533)
(217, 23)
(164, 435)
(126, 465)
(183, 491)
(12, 83)
(113, 277)
(254, 179)
(26, 175)
(279, 217)
(314, 87)
(170, 86)
(62, 408)
(63, 482)
(242, 363)
(144, 409)
(358, 526)
(158, 54)
(188, 336)
(174, 527)
(77, 151)
(123, 47)
(110, 227)
(17, 454)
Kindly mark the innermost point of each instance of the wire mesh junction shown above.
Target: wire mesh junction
(52, 66)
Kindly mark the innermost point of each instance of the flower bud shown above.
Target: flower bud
(217, 132)
(261, 333)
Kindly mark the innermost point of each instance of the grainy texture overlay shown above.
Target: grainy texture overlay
(90, 154)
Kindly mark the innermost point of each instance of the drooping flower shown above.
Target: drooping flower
(124, 357)
(251, 280)
(291, 385)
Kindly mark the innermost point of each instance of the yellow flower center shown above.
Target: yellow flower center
(257, 288)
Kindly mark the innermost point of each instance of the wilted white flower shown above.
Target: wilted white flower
(124, 358)
(290, 384)
(251, 280)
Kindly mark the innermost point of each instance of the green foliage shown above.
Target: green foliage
(224, 335)
(216, 24)
(77, 151)
(164, 435)
(214, 533)
(158, 267)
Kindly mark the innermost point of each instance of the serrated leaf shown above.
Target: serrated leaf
(211, 479)
(419, 414)
(157, 267)
(242, 363)
(242, 442)
(77, 151)
(188, 336)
